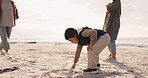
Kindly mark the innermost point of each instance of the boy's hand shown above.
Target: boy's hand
(73, 66)
(89, 48)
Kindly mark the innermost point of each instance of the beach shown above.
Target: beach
(39, 49)
(53, 60)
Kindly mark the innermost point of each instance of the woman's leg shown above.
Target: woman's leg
(5, 33)
(9, 29)
(112, 49)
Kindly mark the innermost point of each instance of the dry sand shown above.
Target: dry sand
(44, 60)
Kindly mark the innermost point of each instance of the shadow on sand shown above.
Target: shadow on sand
(129, 70)
(64, 73)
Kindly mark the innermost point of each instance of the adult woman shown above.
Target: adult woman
(112, 25)
(7, 20)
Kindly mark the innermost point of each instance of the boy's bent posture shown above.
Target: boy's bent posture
(96, 40)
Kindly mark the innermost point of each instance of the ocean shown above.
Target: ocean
(138, 41)
(121, 41)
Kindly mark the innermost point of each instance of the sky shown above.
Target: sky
(48, 19)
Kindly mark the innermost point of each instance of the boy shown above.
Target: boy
(96, 40)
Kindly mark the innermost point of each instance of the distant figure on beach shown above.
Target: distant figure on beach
(112, 25)
(8, 15)
(95, 40)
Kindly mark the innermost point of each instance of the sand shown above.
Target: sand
(53, 60)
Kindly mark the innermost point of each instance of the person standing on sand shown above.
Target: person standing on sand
(8, 15)
(95, 40)
(112, 25)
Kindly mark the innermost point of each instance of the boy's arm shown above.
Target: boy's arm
(113, 6)
(77, 55)
(78, 52)
(93, 37)
(92, 34)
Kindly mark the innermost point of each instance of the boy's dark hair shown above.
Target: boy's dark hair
(70, 32)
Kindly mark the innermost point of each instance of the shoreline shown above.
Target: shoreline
(134, 44)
